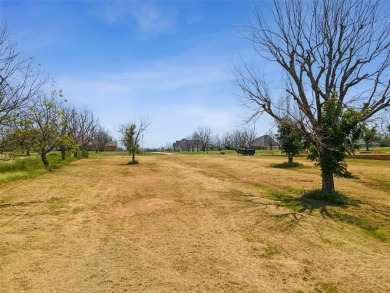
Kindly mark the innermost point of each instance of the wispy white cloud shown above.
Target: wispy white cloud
(151, 18)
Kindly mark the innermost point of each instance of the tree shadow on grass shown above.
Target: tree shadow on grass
(129, 164)
(314, 200)
(308, 205)
(331, 206)
(287, 165)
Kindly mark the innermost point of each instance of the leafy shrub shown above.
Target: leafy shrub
(85, 154)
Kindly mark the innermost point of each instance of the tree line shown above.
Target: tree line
(34, 120)
(203, 139)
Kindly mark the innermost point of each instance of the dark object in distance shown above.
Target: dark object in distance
(246, 152)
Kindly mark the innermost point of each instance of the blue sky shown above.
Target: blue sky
(170, 61)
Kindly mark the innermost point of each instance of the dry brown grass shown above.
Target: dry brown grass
(193, 224)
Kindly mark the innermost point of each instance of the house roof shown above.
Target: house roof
(264, 140)
(112, 143)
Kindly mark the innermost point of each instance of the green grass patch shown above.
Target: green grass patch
(282, 197)
(331, 206)
(270, 251)
(109, 154)
(25, 164)
(28, 167)
(370, 228)
(324, 287)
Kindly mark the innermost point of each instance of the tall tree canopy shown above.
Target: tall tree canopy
(335, 57)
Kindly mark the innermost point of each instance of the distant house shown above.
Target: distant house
(362, 144)
(187, 145)
(111, 146)
(265, 142)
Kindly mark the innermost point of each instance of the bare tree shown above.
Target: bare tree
(100, 137)
(70, 128)
(87, 124)
(226, 141)
(189, 143)
(217, 142)
(238, 139)
(335, 57)
(19, 82)
(249, 135)
(384, 123)
(203, 135)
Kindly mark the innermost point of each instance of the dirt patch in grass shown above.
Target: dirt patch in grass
(193, 224)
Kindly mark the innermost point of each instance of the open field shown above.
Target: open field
(186, 223)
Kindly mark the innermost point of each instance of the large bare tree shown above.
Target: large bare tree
(81, 125)
(19, 81)
(334, 56)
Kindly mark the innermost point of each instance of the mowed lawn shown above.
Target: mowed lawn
(200, 223)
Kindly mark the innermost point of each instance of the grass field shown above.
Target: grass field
(194, 223)
(28, 167)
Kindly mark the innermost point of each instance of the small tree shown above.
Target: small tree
(369, 135)
(131, 136)
(40, 127)
(291, 141)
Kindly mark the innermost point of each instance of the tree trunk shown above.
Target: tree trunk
(367, 146)
(44, 159)
(75, 154)
(133, 158)
(325, 158)
(327, 181)
(63, 153)
(290, 158)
